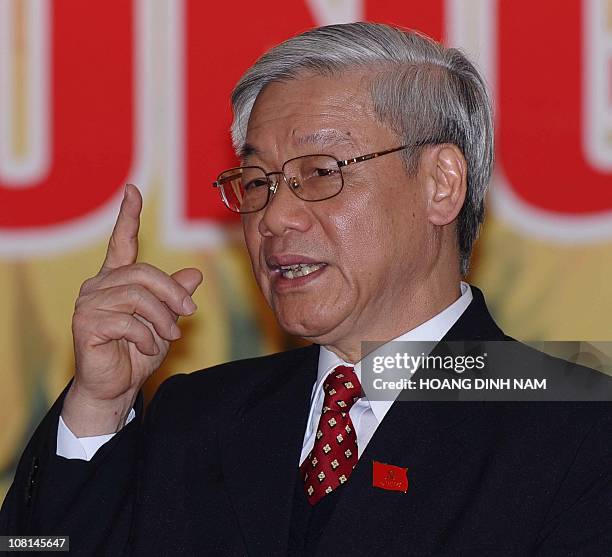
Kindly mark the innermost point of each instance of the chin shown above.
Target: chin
(311, 317)
(319, 331)
(310, 329)
(300, 330)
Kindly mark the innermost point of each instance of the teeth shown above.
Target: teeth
(299, 270)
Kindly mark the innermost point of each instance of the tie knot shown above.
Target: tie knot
(342, 389)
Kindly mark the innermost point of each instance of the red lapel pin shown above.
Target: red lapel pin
(387, 476)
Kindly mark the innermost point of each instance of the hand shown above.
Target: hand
(123, 323)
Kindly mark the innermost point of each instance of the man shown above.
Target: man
(365, 156)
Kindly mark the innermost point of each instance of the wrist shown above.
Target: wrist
(87, 416)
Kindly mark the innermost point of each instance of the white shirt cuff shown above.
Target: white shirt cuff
(82, 448)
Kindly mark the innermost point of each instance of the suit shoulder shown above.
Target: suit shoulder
(576, 405)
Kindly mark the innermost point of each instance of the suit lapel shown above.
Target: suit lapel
(431, 440)
(261, 451)
(427, 439)
(475, 323)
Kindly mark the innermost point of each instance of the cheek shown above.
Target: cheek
(375, 231)
(359, 234)
(252, 239)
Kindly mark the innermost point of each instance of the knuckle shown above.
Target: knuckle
(87, 300)
(144, 266)
(134, 293)
(112, 243)
(136, 272)
(81, 302)
(76, 319)
(126, 324)
(87, 286)
(143, 269)
(79, 321)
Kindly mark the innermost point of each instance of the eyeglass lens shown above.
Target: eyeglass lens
(311, 177)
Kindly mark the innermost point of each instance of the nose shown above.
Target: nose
(285, 210)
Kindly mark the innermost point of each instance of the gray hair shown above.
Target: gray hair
(425, 92)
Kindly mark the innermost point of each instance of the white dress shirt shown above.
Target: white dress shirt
(366, 415)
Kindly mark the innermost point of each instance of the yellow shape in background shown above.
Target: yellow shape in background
(39, 297)
(12, 409)
(545, 291)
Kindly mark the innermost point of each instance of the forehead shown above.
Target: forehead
(313, 109)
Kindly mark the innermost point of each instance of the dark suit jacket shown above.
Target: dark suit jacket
(212, 470)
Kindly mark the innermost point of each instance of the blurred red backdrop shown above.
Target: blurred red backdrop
(95, 94)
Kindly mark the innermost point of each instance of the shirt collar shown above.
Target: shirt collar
(433, 329)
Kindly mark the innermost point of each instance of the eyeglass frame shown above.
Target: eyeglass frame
(273, 184)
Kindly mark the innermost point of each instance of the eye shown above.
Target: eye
(322, 172)
(255, 184)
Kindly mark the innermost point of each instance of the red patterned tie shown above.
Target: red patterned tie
(334, 455)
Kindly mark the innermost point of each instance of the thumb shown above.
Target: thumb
(189, 279)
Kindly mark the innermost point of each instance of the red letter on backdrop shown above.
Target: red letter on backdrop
(540, 113)
(426, 17)
(223, 40)
(91, 84)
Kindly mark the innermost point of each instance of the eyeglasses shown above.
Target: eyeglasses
(247, 189)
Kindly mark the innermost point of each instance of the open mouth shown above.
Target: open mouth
(299, 269)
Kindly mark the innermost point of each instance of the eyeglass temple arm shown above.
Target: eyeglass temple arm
(369, 156)
(219, 183)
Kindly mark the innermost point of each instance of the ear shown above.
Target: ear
(446, 179)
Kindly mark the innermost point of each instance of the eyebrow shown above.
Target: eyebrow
(247, 150)
(324, 138)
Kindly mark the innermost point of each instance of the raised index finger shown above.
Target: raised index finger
(123, 245)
